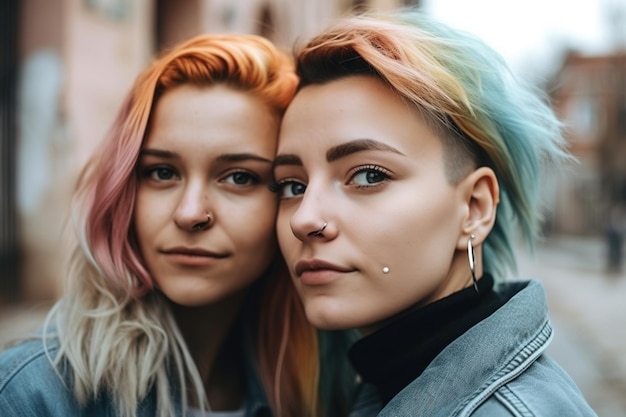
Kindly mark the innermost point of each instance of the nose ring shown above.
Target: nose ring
(203, 225)
(320, 231)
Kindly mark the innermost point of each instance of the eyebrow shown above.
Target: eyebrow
(340, 151)
(228, 157)
(236, 157)
(358, 145)
(287, 159)
(157, 152)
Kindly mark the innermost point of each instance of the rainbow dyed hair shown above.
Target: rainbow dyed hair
(119, 336)
(466, 93)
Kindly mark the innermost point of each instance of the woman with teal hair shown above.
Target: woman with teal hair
(409, 164)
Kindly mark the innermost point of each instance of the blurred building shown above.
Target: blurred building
(65, 66)
(589, 95)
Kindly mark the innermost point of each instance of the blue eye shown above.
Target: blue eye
(288, 189)
(242, 178)
(368, 176)
(160, 173)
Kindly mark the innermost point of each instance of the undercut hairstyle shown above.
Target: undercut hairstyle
(117, 335)
(467, 95)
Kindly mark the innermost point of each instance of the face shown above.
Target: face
(354, 156)
(204, 214)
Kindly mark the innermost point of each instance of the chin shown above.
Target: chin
(192, 301)
(328, 316)
(196, 297)
(328, 324)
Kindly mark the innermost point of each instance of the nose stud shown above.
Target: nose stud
(321, 230)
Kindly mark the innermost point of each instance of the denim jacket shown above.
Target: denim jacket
(31, 386)
(497, 368)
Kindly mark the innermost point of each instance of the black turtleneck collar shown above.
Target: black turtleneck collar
(396, 354)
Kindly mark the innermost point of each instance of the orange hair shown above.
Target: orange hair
(106, 198)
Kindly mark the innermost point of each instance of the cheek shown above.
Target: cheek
(284, 233)
(254, 225)
(145, 216)
(256, 245)
(423, 232)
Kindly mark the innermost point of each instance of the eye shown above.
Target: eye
(369, 176)
(160, 173)
(241, 178)
(287, 189)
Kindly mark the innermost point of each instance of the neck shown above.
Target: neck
(207, 333)
(459, 275)
(398, 353)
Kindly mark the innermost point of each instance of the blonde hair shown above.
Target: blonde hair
(116, 335)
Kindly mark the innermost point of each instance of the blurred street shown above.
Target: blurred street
(588, 312)
(587, 307)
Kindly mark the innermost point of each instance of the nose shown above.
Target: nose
(192, 212)
(311, 220)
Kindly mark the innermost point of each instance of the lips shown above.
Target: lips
(193, 252)
(192, 257)
(318, 265)
(316, 273)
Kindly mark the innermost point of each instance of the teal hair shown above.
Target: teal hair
(468, 94)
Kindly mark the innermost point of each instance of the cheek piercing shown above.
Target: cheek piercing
(385, 270)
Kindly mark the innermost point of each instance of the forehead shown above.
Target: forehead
(210, 115)
(353, 108)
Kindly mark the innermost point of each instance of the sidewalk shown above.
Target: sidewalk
(588, 312)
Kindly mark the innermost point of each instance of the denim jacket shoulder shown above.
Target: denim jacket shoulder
(497, 368)
(31, 386)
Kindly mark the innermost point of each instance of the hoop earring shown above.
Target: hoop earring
(472, 261)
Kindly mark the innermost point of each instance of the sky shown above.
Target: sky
(532, 34)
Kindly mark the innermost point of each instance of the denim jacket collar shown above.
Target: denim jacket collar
(502, 346)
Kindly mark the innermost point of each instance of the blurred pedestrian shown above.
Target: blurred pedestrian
(615, 231)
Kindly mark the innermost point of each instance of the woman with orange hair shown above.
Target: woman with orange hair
(178, 302)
